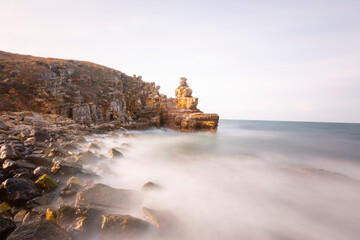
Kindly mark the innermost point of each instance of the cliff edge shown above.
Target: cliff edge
(93, 95)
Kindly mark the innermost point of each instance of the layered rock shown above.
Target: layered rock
(92, 94)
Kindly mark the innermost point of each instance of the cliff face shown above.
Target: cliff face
(93, 94)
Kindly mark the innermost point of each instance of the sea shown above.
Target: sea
(251, 180)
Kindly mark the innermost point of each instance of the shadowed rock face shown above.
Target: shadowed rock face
(93, 94)
(39, 230)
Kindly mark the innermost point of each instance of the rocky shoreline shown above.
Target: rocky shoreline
(45, 193)
(47, 108)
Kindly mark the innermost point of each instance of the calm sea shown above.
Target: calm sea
(250, 180)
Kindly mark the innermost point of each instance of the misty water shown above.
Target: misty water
(250, 180)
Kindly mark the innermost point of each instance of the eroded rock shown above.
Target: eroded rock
(39, 230)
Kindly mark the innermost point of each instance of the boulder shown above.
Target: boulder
(159, 219)
(149, 186)
(41, 136)
(107, 198)
(41, 200)
(45, 182)
(123, 226)
(72, 187)
(8, 152)
(66, 215)
(19, 216)
(4, 207)
(39, 230)
(66, 168)
(114, 153)
(39, 160)
(40, 171)
(18, 191)
(6, 227)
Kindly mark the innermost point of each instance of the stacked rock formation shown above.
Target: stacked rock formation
(94, 95)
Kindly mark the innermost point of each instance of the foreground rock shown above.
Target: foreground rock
(18, 191)
(107, 198)
(6, 227)
(123, 226)
(39, 230)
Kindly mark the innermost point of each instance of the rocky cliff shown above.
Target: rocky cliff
(92, 94)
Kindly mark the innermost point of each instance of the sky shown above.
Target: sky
(256, 59)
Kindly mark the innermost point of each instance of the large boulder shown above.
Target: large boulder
(17, 191)
(123, 226)
(39, 230)
(6, 227)
(107, 198)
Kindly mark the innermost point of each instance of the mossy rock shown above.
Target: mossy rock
(45, 182)
(4, 207)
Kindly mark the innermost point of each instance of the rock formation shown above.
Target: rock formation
(94, 95)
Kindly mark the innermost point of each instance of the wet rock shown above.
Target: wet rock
(39, 160)
(113, 135)
(6, 227)
(90, 220)
(25, 174)
(86, 157)
(107, 198)
(8, 152)
(66, 215)
(41, 200)
(66, 168)
(18, 191)
(70, 147)
(50, 215)
(159, 219)
(19, 146)
(39, 230)
(80, 139)
(40, 171)
(114, 153)
(19, 216)
(73, 186)
(41, 136)
(10, 165)
(58, 152)
(4, 207)
(3, 126)
(3, 175)
(149, 186)
(93, 146)
(127, 135)
(45, 182)
(123, 226)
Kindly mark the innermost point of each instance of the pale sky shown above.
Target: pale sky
(295, 60)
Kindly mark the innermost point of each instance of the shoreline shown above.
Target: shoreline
(44, 184)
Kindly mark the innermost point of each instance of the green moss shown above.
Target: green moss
(46, 183)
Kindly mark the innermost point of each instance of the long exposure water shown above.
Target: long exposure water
(250, 180)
